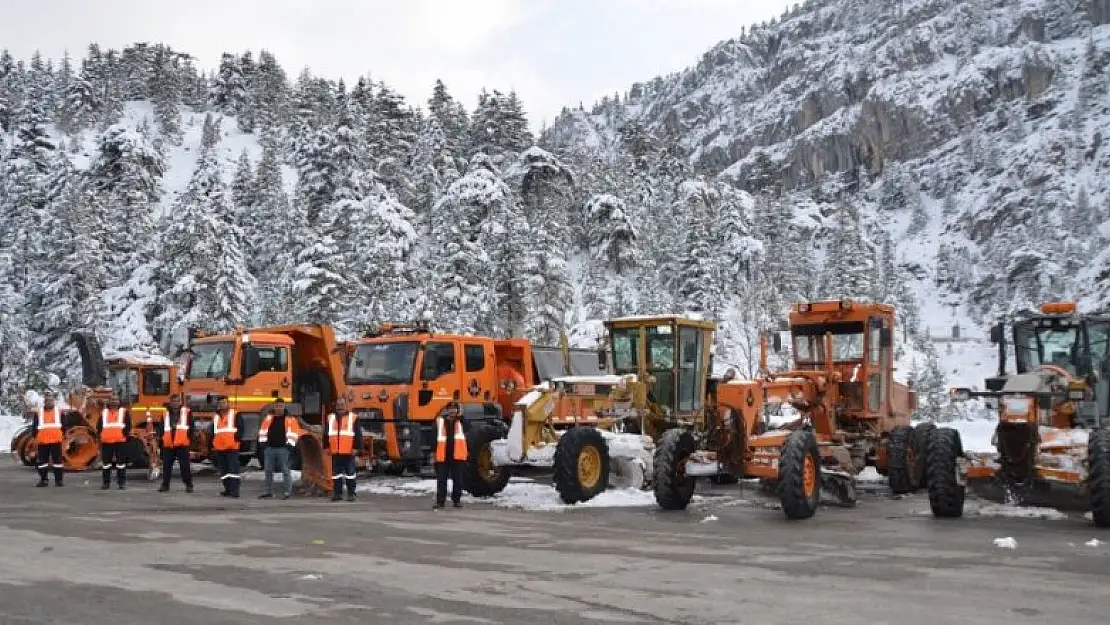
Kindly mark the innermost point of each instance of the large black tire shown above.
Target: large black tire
(946, 492)
(1098, 455)
(481, 478)
(579, 448)
(799, 496)
(921, 452)
(901, 460)
(673, 488)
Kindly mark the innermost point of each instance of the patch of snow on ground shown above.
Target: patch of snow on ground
(1005, 543)
(1094, 542)
(8, 425)
(1020, 512)
(870, 474)
(522, 495)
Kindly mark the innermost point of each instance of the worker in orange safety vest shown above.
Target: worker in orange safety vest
(114, 428)
(227, 432)
(277, 438)
(451, 455)
(174, 431)
(46, 427)
(342, 439)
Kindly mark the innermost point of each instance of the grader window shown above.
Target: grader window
(626, 350)
(125, 382)
(809, 342)
(156, 382)
(209, 360)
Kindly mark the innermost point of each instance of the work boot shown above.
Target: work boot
(105, 486)
(163, 488)
(189, 488)
(350, 496)
(457, 504)
(337, 495)
(437, 505)
(42, 483)
(107, 475)
(58, 474)
(121, 477)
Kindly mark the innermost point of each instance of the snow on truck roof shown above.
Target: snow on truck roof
(138, 359)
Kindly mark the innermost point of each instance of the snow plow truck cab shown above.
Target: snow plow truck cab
(402, 376)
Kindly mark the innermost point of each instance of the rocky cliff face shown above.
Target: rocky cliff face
(973, 129)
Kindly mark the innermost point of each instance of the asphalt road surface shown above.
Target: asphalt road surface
(81, 556)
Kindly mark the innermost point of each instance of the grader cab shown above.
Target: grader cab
(851, 414)
(1053, 435)
(600, 431)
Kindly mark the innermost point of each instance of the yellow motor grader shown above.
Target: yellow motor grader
(600, 431)
(1053, 436)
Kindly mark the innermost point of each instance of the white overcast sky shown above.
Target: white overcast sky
(553, 52)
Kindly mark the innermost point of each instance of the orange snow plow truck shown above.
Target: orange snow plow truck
(396, 379)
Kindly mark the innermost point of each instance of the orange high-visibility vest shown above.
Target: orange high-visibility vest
(292, 430)
(111, 430)
(441, 441)
(176, 436)
(341, 435)
(224, 434)
(49, 427)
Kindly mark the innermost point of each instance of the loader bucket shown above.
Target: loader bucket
(315, 464)
(79, 448)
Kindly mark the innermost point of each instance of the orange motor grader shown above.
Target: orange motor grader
(142, 383)
(1053, 433)
(852, 414)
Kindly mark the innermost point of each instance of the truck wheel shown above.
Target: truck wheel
(673, 488)
(482, 478)
(1098, 455)
(901, 460)
(946, 492)
(921, 452)
(800, 475)
(581, 465)
(20, 444)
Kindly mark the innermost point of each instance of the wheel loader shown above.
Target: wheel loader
(1052, 441)
(597, 431)
(142, 383)
(851, 414)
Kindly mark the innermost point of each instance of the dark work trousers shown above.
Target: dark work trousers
(228, 462)
(181, 455)
(50, 456)
(113, 455)
(455, 470)
(343, 471)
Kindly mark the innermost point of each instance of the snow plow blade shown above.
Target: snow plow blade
(315, 464)
(1039, 493)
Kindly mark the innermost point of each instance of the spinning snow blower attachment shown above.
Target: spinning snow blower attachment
(1053, 436)
(142, 384)
(851, 414)
(599, 431)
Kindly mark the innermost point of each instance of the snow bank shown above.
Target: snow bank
(520, 494)
(1020, 512)
(8, 425)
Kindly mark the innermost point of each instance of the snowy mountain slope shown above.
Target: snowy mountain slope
(973, 130)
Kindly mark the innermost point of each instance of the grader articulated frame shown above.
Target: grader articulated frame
(600, 431)
(852, 415)
(140, 382)
(1053, 435)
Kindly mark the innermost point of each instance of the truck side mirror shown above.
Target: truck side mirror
(996, 334)
(602, 359)
(886, 338)
(776, 342)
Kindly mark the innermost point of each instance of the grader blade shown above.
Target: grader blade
(838, 487)
(1034, 494)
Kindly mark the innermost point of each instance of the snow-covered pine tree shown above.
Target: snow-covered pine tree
(242, 197)
(614, 254)
(699, 288)
(202, 259)
(849, 269)
(165, 92)
(228, 93)
(16, 360)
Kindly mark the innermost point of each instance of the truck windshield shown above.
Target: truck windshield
(125, 382)
(209, 360)
(809, 342)
(382, 363)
